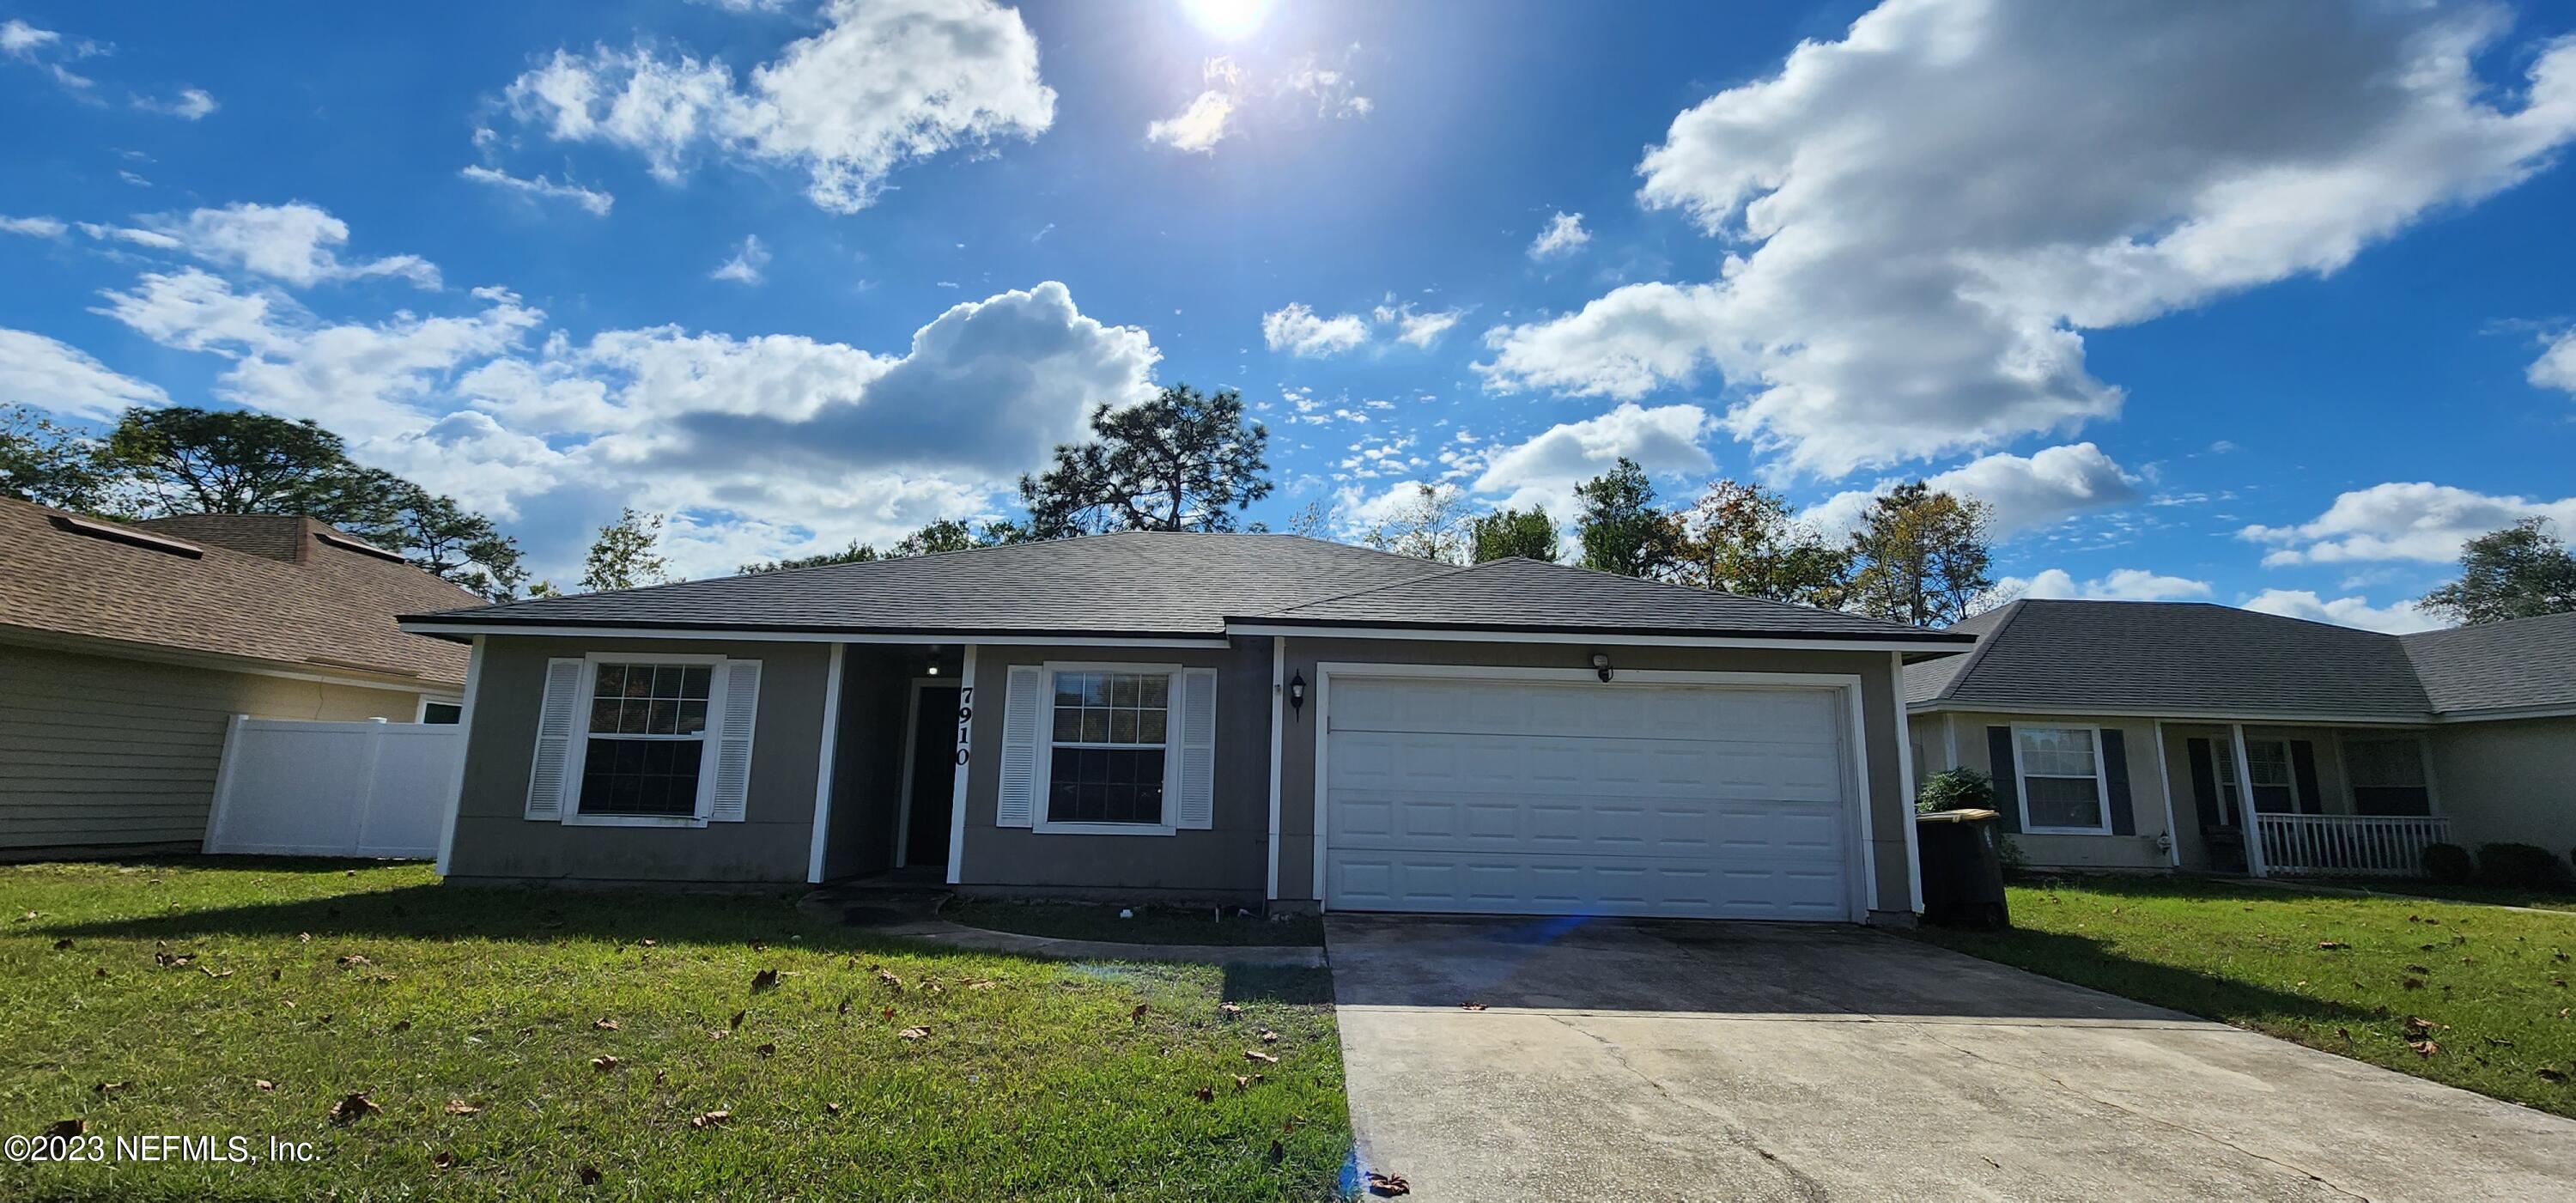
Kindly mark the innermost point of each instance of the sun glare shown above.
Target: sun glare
(1228, 19)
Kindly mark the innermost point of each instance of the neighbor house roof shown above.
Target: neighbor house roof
(288, 590)
(1167, 584)
(2193, 658)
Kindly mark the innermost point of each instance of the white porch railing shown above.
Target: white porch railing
(2359, 845)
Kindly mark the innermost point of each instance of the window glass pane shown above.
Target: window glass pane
(640, 777)
(693, 718)
(603, 713)
(1068, 689)
(1105, 785)
(2270, 762)
(1122, 726)
(664, 716)
(1095, 725)
(1122, 689)
(612, 681)
(1095, 689)
(639, 681)
(2062, 802)
(1149, 726)
(2057, 751)
(2385, 763)
(666, 681)
(442, 713)
(1154, 690)
(693, 682)
(1068, 725)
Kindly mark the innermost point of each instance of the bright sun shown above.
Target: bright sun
(1228, 19)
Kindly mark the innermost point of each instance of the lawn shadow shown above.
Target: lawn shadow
(2090, 962)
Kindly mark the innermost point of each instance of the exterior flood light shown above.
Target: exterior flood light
(1601, 665)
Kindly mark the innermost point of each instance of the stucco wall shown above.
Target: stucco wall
(494, 839)
(98, 752)
(2508, 781)
(1228, 861)
(1890, 807)
(1937, 733)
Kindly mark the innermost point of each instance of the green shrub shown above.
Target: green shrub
(2009, 854)
(2448, 864)
(2520, 867)
(1956, 789)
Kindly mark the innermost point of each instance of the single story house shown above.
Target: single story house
(125, 648)
(1253, 718)
(2154, 735)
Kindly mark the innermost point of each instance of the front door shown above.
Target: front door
(931, 776)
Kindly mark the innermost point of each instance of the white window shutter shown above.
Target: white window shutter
(558, 731)
(1023, 708)
(1196, 807)
(738, 683)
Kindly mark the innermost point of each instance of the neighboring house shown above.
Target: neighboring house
(1244, 718)
(2117, 734)
(126, 647)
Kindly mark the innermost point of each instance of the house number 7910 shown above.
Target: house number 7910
(965, 721)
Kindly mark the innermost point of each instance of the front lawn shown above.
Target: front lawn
(524, 1043)
(2547, 900)
(2474, 996)
(1144, 924)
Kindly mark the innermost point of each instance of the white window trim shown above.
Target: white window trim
(2101, 782)
(570, 812)
(1170, 825)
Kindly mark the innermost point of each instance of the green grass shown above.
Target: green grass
(2494, 983)
(1040, 1085)
(1149, 925)
(2547, 900)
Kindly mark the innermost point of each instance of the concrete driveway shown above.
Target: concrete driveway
(1637, 1060)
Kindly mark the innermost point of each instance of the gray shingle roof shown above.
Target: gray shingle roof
(1167, 584)
(1523, 594)
(2194, 658)
(2529, 662)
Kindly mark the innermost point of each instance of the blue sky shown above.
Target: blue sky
(2266, 305)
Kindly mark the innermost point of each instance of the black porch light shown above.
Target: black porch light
(1297, 693)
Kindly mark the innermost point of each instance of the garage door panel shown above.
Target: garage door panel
(1546, 798)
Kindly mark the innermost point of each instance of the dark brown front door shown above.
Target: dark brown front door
(934, 774)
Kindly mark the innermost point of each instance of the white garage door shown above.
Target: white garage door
(1559, 798)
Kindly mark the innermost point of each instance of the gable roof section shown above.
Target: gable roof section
(259, 587)
(1151, 584)
(2179, 658)
(2525, 664)
(1518, 594)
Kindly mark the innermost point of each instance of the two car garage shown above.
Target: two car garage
(1703, 795)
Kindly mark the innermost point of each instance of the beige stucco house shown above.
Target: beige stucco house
(2118, 734)
(1258, 719)
(125, 648)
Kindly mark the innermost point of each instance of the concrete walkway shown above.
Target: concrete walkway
(1619, 1060)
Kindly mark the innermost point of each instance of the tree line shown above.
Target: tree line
(1180, 461)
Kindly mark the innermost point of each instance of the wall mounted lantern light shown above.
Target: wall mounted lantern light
(1297, 694)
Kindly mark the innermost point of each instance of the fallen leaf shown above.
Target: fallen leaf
(889, 1012)
(2419, 969)
(108, 1087)
(589, 1174)
(2423, 1048)
(101, 971)
(760, 946)
(213, 974)
(766, 979)
(1262, 1057)
(304, 937)
(2417, 1027)
(65, 944)
(1137, 1015)
(1241, 1083)
(263, 1084)
(65, 1129)
(2496, 1042)
(887, 976)
(461, 1107)
(914, 1033)
(356, 958)
(1290, 1124)
(2411, 983)
(1203, 1094)
(710, 1119)
(717, 1033)
(354, 1108)
(1471, 1006)
(660, 1076)
(844, 1008)
(1229, 1010)
(603, 1063)
(2323, 945)
(767, 1050)
(648, 943)
(2344, 1034)
(736, 1021)
(831, 1108)
(1278, 1152)
(443, 1161)
(1269, 1037)
(275, 974)
(1388, 1184)
(987, 984)
(604, 1023)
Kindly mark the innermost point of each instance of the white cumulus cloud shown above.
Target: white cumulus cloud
(744, 267)
(1297, 330)
(2415, 520)
(886, 82)
(1931, 210)
(1544, 469)
(2120, 584)
(33, 227)
(294, 242)
(1563, 236)
(2400, 618)
(591, 200)
(36, 370)
(2028, 492)
(2556, 367)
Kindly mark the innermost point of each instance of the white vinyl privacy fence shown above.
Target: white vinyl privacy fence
(290, 787)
